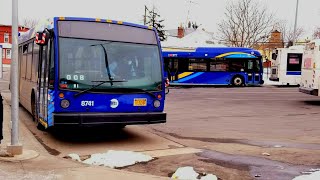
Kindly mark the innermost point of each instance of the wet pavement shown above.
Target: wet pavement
(259, 167)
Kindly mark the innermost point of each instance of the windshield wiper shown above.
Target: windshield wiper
(135, 89)
(101, 83)
(106, 62)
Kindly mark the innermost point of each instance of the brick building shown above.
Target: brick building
(275, 41)
(6, 41)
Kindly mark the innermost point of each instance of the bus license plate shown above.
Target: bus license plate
(140, 102)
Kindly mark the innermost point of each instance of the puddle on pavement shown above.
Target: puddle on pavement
(258, 167)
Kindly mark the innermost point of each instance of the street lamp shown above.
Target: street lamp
(295, 24)
(15, 148)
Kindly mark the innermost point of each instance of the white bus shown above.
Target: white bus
(311, 69)
(286, 65)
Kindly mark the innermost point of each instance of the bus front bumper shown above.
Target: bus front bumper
(108, 118)
(309, 91)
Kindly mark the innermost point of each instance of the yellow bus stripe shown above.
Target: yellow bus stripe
(182, 75)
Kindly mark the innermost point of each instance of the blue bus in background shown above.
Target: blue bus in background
(213, 66)
(83, 71)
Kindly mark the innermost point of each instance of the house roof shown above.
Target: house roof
(198, 38)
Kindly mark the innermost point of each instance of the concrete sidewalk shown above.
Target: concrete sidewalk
(46, 166)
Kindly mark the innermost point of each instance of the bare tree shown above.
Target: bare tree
(287, 32)
(316, 33)
(246, 23)
(29, 23)
(153, 19)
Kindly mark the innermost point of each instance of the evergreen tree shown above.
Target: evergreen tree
(153, 19)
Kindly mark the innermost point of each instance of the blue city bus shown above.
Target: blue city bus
(213, 66)
(84, 72)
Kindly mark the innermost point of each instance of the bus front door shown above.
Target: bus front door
(173, 69)
(42, 95)
(253, 70)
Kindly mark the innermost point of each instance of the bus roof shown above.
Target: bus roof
(212, 52)
(49, 24)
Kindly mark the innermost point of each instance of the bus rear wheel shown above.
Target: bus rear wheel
(237, 81)
(33, 109)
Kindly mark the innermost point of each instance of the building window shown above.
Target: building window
(6, 37)
(8, 53)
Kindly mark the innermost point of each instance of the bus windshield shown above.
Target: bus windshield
(85, 63)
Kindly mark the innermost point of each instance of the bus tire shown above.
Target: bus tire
(237, 81)
(33, 108)
(35, 117)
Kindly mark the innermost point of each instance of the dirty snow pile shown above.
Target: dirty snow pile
(188, 173)
(75, 157)
(315, 175)
(114, 159)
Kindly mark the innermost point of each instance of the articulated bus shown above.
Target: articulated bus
(286, 65)
(310, 75)
(213, 66)
(83, 72)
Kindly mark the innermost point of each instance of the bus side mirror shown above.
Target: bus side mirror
(167, 83)
(42, 38)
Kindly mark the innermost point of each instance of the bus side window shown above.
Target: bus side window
(219, 65)
(182, 64)
(24, 61)
(250, 65)
(20, 59)
(29, 61)
(237, 65)
(35, 57)
(257, 65)
(197, 65)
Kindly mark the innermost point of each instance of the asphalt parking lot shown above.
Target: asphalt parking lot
(248, 131)
(243, 133)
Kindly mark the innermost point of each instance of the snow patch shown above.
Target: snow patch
(198, 38)
(188, 173)
(185, 173)
(116, 159)
(209, 177)
(312, 176)
(266, 154)
(75, 157)
(278, 146)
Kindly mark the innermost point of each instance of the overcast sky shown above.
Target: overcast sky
(174, 12)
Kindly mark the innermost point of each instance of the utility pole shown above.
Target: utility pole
(188, 13)
(15, 148)
(1, 65)
(145, 15)
(295, 24)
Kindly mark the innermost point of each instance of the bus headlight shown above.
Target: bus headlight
(156, 103)
(65, 103)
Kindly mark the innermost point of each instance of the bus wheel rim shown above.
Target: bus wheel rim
(237, 81)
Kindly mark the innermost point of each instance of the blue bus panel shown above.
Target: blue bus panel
(213, 66)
